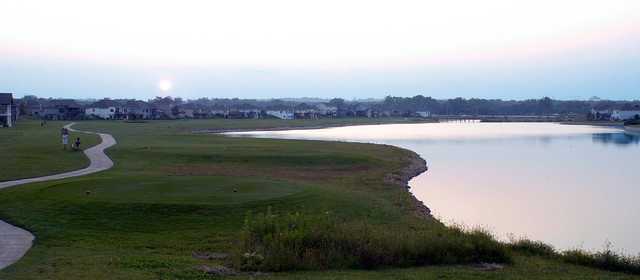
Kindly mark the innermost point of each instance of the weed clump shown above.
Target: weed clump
(532, 248)
(271, 242)
(606, 259)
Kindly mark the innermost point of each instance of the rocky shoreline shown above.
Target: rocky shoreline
(417, 165)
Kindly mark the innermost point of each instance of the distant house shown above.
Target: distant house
(624, 115)
(61, 109)
(106, 109)
(32, 107)
(305, 111)
(200, 112)
(365, 111)
(251, 113)
(164, 108)
(423, 114)
(326, 110)
(234, 114)
(600, 115)
(194, 111)
(236, 111)
(137, 110)
(218, 111)
(385, 113)
(8, 110)
(281, 114)
(188, 110)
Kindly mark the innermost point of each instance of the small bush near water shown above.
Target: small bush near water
(272, 242)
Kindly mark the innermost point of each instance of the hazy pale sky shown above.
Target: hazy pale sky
(295, 48)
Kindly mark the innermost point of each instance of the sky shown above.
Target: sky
(570, 49)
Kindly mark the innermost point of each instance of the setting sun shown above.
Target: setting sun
(165, 85)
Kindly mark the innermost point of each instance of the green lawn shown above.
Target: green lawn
(173, 193)
(30, 150)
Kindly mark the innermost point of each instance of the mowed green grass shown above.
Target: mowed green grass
(30, 150)
(173, 193)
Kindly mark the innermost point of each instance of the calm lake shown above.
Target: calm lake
(570, 186)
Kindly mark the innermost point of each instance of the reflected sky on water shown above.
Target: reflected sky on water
(571, 186)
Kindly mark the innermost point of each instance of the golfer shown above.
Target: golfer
(65, 138)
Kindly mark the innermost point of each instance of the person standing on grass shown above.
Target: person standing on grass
(76, 145)
(65, 138)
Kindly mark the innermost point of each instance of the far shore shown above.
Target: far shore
(320, 126)
(632, 128)
(596, 123)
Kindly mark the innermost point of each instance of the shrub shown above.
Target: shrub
(532, 248)
(272, 242)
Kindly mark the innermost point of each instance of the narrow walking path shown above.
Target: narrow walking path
(14, 241)
(99, 162)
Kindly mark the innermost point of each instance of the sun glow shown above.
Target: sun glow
(165, 85)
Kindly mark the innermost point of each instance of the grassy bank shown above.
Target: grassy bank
(174, 199)
(272, 242)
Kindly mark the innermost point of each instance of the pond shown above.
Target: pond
(572, 186)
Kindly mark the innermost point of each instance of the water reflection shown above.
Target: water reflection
(621, 139)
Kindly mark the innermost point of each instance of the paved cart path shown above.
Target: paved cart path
(14, 241)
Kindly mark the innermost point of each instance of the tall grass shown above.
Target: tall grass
(606, 259)
(531, 247)
(271, 242)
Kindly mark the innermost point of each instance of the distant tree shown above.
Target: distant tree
(628, 106)
(337, 102)
(175, 110)
(545, 105)
(22, 108)
(29, 97)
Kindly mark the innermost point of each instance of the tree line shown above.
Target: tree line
(477, 106)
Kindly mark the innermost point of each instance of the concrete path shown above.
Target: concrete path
(99, 162)
(14, 241)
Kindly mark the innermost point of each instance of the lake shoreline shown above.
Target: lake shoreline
(596, 123)
(409, 121)
(306, 127)
(416, 166)
(632, 128)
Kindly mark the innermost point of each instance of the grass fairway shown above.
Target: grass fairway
(30, 150)
(173, 193)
